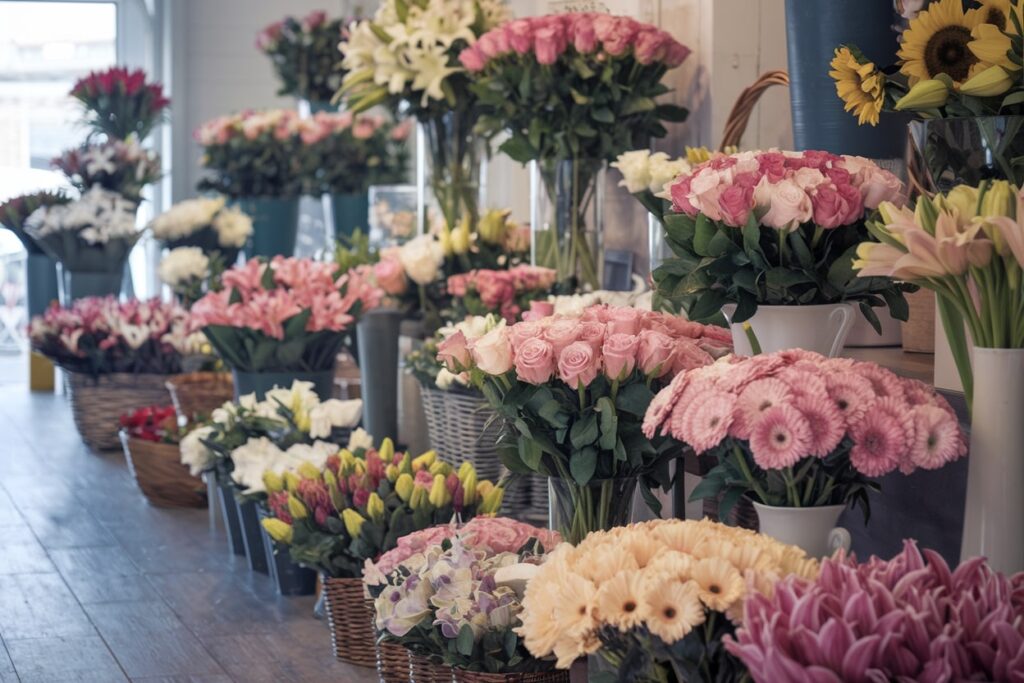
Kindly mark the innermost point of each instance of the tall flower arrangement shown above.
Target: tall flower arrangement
(407, 58)
(655, 600)
(778, 228)
(907, 618)
(573, 91)
(116, 165)
(348, 153)
(121, 103)
(573, 391)
(304, 54)
(15, 211)
(796, 429)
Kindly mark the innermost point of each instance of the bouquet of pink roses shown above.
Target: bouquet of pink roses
(573, 392)
(506, 292)
(906, 619)
(283, 315)
(775, 228)
(797, 429)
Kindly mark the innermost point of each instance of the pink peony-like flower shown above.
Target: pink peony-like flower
(619, 353)
(578, 364)
(534, 361)
(780, 437)
(706, 422)
(878, 442)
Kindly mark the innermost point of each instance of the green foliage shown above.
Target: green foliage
(264, 167)
(305, 56)
(344, 164)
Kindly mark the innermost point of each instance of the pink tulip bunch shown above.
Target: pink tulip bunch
(784, 190)
(602, 341)
(549, 37)
(506, 292)
(906, 619)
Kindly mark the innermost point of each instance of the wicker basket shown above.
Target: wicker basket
(426, 670)
(350, 617)
(158, 471)
(462, 676)
(392, 663)
(200, 393)
(98, 403)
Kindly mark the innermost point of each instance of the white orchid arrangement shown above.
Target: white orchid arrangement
(203, 222)
(409, 52)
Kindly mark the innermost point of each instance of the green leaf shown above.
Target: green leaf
(530, 453)
(583, 464)
(584, 432)
(704, 230)
(638, 105)
(465, 641)
(519, 149)
(609, 423)
(634, 399)
(551, 412)
(603, 115)
(709, 305)
(672, 113)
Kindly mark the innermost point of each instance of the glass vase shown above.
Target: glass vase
(958, 151)
(566, 220)
(601, 504)
(456, 159)
(657, 242)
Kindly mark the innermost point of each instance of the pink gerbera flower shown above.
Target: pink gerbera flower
(879, 442)
(780, 438)
(937, 438)
(885, 383)
(707, 421)
(758, 397)
(826, 424)
(660, 408)
(851, 394)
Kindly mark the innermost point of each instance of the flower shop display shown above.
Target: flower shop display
(769, 238)
(406, 57)
(505, 292)
(349, 153)
(968, 247)
(908, 618)
(448, 605)
(304, 54)
(572, 91)
(356, 508)
(117, 356)
(959, 69)
(120, 103)
(40, 267)
(204, 222)
(572, 392)
(655, 600)
(188, 272)
(256, 159)
(90, 238)
(282, 319)
(804, 436)
(115, 165)
(150, 437)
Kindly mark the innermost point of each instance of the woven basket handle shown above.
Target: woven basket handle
(736, 124)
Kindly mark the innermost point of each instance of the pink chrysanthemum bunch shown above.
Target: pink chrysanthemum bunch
(906, 619)
(777, 420)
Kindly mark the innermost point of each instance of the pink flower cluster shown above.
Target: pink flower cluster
(298, 285)
(500, 290)
(794, 404)
(587, 33)
(285, 125)
(361, 127)
(496, 534)
(784, 190)
(603, 339)
(906, 619)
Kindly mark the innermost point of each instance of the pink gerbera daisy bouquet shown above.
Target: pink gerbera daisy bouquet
(775, 228)
(573, 390)
(906, 619)
(283, 315)
(504, 292)
(797, 429)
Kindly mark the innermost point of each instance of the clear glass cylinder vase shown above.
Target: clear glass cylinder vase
(567, 220)
(657, 242)
(575, 509)
(455, 167)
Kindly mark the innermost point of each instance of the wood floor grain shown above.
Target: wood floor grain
(97, 585)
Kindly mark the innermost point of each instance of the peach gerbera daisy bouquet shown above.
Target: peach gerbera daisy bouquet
(797, 429)
(654, 599)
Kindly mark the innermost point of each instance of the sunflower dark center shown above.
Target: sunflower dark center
(995, 16)
(947, 53)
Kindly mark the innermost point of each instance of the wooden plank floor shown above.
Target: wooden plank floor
(96, 585)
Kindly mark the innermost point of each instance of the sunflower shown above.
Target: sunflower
(992, 41)
(673, 610)
(859, 84)
(719, 582)
(937, 43)
(620, 602)
(995, 12)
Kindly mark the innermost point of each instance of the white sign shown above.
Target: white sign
(641, 10)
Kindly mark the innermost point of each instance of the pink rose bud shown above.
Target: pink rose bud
(390, 276)
(520, 35)
(654, 354)
(473, 59)
(561, 333)
(619, 351)
(520, 332)
(424, 479)
(548, 44)
(542, 308)
(592, 332)
(676, 54)
(535, 361)
(623, 320)
(577, 364)
(584, 37)
(454, 352)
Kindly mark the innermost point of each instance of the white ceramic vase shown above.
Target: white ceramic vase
(812, 529)
(995, 466)
(820, 328)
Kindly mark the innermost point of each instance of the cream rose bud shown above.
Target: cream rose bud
(788, 205)
(492, 352)
(194, 453)
(359, 438)
(578, 364)
(183, 264)
(422, 258)
(233, 227)
(664, 170)
(333, 413)
(634, 167)
(619, 355)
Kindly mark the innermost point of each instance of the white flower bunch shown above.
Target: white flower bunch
(98, 217)
(422, 258)
(183, 265)
(644, 171)
(575, 304)
(257, 456)
(190, 216)
(412, 56)
(194, 452)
